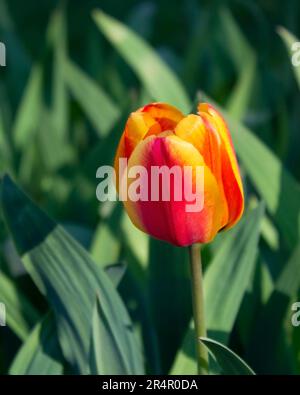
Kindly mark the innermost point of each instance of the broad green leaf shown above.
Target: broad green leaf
(98, 107)
(278, 188)
(40, 354)
(157, 77)
(28, 114)
(69, 279)
(225, 284)
(21, 315)
(230, 363)
(292, 45)
(106, 353)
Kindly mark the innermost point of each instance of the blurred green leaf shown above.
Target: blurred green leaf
(28, 114)
(157, 77)
(99, 108)
(57, 37)
(230, 363)
(54, 147)
(105, 246)
(70, 280)
(240, 49)
(21, 315)
(289, 40)
(225, 284)
(40, 354)
(239, 99)
(244, 59)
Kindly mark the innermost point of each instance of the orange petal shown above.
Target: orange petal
(169, 220)
(232, 182)
(197, 131)
(137, 127)
(167, 116)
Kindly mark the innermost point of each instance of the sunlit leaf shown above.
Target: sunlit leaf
(40, 353)
(230, 362)
(21, 315)
(157, 77)
(99, 108)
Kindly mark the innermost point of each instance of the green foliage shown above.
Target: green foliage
(229, 362)
(93, 294)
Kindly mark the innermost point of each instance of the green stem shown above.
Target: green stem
(198, 307)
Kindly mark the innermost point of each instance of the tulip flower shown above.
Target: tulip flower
(158, 134)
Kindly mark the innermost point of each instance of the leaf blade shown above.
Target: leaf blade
(229, 361)
(159, 80)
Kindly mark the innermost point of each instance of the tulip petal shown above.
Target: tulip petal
(166, 115)
(232, 182)
(197, 131)
(169, 220)
(137, 127)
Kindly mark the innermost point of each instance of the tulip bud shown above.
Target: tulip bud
(159, 136)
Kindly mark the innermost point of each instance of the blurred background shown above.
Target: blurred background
(69, 83)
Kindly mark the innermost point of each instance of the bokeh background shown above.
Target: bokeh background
(71, 79)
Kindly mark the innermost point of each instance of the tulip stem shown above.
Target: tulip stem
(198, 307)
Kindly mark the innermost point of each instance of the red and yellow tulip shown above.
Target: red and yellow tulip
(158, 134)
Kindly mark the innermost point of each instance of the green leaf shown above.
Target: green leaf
(225, 284)
(240, 97)
(99, 108)
(278, 188)
(157, 77)
(289, 40)
(28, 114)
(65, 273)
(40, 354)
(230, 363)
(107, 355)
(53, 134)
(57, 38)
(240, 49)
(105, 247)
(21, 315)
